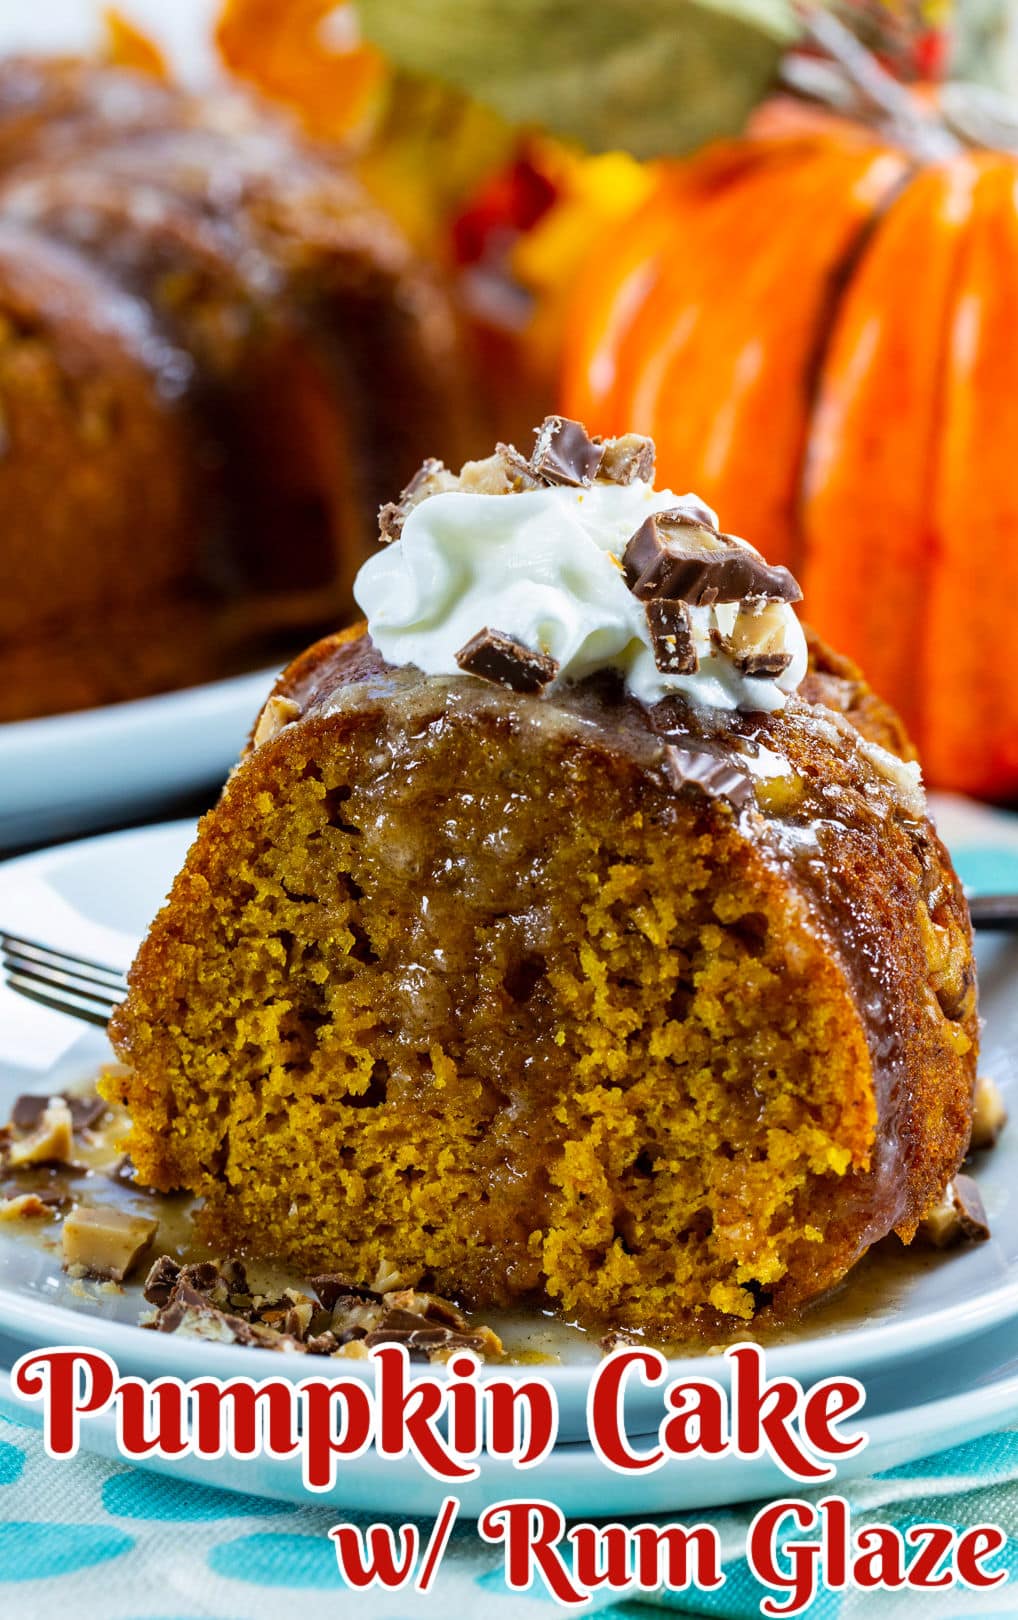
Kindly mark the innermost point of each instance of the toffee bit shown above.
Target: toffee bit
(494, 656)
(628, 459)
(105, 1243)
(565, 453)
(959, 1217)
(989, 1113)
(519, 474)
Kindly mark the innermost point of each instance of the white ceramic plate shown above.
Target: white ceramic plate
(70, 772)
(96, 897)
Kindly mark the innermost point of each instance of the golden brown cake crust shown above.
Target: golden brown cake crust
(244, 359)
(832, 902)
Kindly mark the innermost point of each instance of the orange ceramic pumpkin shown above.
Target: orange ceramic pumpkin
(821, 331)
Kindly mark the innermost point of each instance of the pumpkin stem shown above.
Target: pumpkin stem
(848, 78)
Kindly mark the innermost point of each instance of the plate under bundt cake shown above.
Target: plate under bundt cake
(216, 358)
(572, 933)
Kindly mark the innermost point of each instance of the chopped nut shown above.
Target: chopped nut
(989, 1115)
(277, 713)
(106, 1243)
(958, 1218)
(52, 1142)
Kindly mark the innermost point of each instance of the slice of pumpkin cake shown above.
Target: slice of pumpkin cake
(572, 932)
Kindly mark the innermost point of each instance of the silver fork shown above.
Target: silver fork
(69, 984)
(90, 991)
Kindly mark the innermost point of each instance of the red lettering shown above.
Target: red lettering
(407, 1416)
(824, 1407)
(227, 1417)
(165, 1402)
(798, 1579)
(73, 1384)
(522, 1420)
(324, 1442)
(372, 1561)
(531, 1532)
(675, 1542)
(976, 1544)
(936, 1544)
(879, 1559)
(700, 1420)
(606, 1408)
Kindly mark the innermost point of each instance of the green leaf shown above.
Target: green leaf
(652, 76)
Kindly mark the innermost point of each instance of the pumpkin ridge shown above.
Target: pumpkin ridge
(838, 279)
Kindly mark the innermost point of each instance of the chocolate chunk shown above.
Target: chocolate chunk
(660, 561)
(161, 1280)
(494, 656)
(85, 1111)
(565, 453)
(628, 459)
(968, 1205)
(331, 1287)
(393, 515)
(717, 777)
(671, 634)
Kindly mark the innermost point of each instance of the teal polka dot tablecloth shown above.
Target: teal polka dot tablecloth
(95, 1540)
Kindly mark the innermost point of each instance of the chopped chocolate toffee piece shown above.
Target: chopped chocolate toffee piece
(617, 1338)
(28, 1207)
(85, 1111)
(565, 453)
(671, 634)
(698, 768)
(958, 1218)
(989, 1114)
(215, 1301)
(331, 1287)
(674, 556)
(762, 664)
(494, 656)
(51, 1141)
(519, 474)
(105, 1243)
(628, 459)
(429, 479)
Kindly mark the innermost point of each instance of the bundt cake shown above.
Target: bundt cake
(574, 932)
(216, 358)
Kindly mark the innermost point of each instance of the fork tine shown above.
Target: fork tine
(23, 962)
(16, 977)
(45, 954)
(57, 1004)
(66, 983)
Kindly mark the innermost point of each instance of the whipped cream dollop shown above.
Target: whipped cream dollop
(544, 566)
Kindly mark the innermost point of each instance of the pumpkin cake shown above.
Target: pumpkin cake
(217, 356)
(573, 933)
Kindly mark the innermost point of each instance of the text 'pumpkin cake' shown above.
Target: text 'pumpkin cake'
(572, 933)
